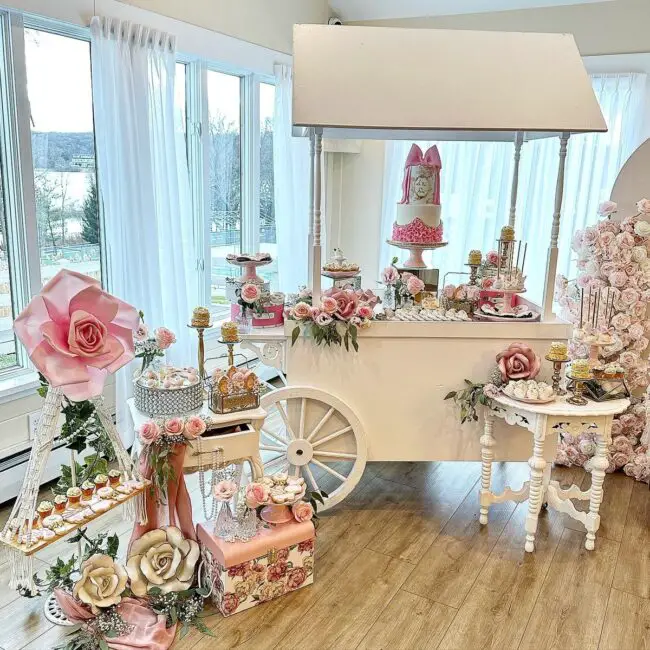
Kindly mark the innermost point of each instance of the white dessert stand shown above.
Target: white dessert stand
(394, 387)
(249, 273)
(542, 420)
(415, 260)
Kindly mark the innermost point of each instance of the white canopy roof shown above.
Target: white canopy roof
(387, 83)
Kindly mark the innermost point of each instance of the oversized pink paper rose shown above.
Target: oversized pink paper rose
(414, 285)
(518, 361)
(250, 293)
(389, 276)
(257, 494)
(302, 511)
(76, 334)
(328, 305)
(165, 338)
(149, 432)
(174, 426)
(194, 427)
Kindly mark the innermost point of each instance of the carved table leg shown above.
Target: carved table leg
(599, 464)
(487, 442)
(537, 466)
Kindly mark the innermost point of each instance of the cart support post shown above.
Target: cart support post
(519, 140)
(310, 237)
(316, 261)
(551, 262)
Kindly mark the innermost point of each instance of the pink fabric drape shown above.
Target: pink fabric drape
(178, 509)
(149, 631)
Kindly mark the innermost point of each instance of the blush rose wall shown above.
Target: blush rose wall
(614, 254)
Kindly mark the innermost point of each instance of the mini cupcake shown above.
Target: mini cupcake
(74, 496)
(45, 509)
(87, 489)
(60, 502)
(100, 481)
(114, 477)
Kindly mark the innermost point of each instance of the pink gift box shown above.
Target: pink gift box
(272, 317)
(244, 574)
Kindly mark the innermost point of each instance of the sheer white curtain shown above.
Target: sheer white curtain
(291, 188)
(143, 182)
(476, 181)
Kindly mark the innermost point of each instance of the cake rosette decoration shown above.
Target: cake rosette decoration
(76, 334)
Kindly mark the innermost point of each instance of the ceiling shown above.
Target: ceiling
(360, 10)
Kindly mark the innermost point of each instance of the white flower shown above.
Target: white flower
(606, 208)
(639, 254)
(642, 228)
(162, 558)
(101, 584)
(643, 206)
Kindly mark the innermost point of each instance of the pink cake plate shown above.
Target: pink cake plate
(415, 260)
(249, 273)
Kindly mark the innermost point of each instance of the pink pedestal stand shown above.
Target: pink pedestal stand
(249, 273)
(276, 514)
(415, 260)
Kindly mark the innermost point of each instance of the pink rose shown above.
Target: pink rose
(584, 281)
(225, 490)
(621, 444)
(617, 428)
(461, 292)
(277, 571)
(625, 240)
(518, 361)
(486, 283)
(492, 257)
(629, 296)
(628, 359)
(164, 338)
(607, 268)
(618, 279)
(621, 321)
(643, 206)
(389, 276)
(490, 390)
(174, 426)
(449, 291)
(229, 603)
(606, 238)
(257, 494)
(328, 305)
(141, 333)
(620, 459)
(589, 236)
(302, 511)
(414, 285)
(149, 432)
(607, 226)
(606, 208)
(323, 319)
(640, 344)
(314, 313)
(587, 447)
(639, 310)
(296, 577)
(194, 427)
(346, 303)
(76, 334)
(367, 297)
(627, 225)
(301, 311)
(473, 292)
(250, 293)
(364, 311)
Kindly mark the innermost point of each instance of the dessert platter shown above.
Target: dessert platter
(249, 262)
(418, 226)
(283, 492)
(339, 268)
(529, 392)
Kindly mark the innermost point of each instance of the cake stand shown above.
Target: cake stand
(249, 274)
(415, 260)
(557, 374)
(578, 390)
(340, 275)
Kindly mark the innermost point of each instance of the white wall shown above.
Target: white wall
(600, 28)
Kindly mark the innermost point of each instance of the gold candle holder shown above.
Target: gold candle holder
(201, 353)
(557, 374)
(578, 390)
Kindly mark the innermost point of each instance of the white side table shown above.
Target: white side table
(240, 446)
(542, 420)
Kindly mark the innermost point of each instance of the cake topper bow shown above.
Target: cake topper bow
(76, 334)
(430, 159)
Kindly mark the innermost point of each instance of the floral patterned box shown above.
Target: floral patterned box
(243, 574)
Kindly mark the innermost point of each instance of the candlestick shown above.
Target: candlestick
(582, 303)
(518, 251)
(499, 260)
(589, 316)
(523, 261)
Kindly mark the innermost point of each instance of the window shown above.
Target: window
(224, 178)
(63, 153)
(267, 204)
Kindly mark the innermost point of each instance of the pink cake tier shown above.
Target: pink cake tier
(417, 232)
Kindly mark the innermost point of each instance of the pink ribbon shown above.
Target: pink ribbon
(149, 631)
(416, 158)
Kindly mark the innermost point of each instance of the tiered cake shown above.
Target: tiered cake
(418, 213)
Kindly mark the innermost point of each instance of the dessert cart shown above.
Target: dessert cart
(385, 402)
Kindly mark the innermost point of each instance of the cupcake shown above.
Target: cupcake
(229, 332)
(114, 477)
(475, 257)
(200, 317)
(100, 481)
(60, 502)
(87, 489)
(45, 509)
(74, 496)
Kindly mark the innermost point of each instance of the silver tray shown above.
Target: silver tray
(168, 401)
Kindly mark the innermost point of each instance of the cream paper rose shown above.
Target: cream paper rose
(101, 584)
(162, 558)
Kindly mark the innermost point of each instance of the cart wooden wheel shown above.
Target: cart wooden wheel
(311, 433)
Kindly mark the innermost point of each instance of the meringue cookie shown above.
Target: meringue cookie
(520, 392)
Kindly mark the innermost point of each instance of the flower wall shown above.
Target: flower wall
(613, 255)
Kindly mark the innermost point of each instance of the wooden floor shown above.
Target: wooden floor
(403, 563)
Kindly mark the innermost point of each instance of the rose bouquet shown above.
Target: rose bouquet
(406, 286)
(160, 448)
(139, 604)
(249, 296)
(613, 255)
(336, 321)
(150, 345)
